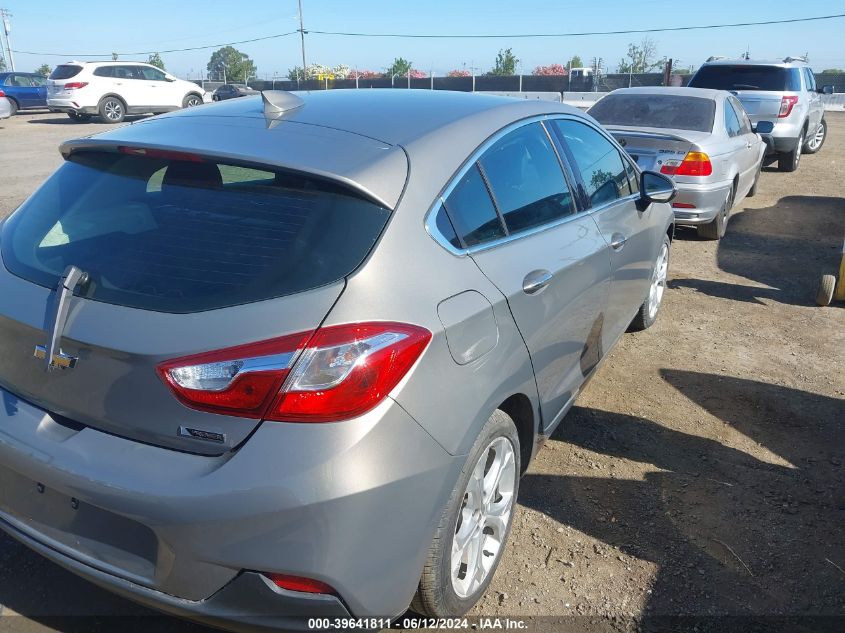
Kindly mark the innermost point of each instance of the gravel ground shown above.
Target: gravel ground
(700, 473)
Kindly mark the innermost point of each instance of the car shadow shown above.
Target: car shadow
(787, 247)
(732, 534)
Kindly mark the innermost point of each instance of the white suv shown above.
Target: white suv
(114, 89)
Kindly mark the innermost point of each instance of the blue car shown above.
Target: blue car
(24, 90)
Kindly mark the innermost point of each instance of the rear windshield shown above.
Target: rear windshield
(772, 78)
(65, 71)
(179, 236)
(654, 110)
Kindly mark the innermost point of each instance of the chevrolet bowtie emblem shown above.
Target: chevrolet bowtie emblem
(52, 353)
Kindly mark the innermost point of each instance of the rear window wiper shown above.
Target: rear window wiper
(745, 87)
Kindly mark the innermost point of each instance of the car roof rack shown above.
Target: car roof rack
(715, 58)
(790, 58)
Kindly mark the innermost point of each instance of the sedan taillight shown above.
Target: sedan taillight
(694, 164)
(786, 105)
(338, 373)
(2, 94)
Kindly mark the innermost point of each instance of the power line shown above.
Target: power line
(529, 35)
(450, 36)
(172, 50)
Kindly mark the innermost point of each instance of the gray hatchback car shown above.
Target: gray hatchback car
(285, 358)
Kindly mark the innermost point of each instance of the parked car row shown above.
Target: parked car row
(713, 137)
(316, 339)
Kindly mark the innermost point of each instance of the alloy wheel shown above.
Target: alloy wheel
(113, 110)
(658, 282)
(192, 102)
(484, 517)
(817, 139)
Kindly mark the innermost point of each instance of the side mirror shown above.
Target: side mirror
(826, 90)
(169, 78)
(656, 187)
(763, 127)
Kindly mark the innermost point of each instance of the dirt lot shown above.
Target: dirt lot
(701, 473)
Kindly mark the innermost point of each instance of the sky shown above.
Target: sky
(99, 27)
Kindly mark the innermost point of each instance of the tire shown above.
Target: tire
(79, 117)
(15, 107)
(647, 314)
(438, 595)
(816, 140)
(112, 110)
(753, 191)
(824, 296)
(716, 229)
(789, 161)
(191, 100)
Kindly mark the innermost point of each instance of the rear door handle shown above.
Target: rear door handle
(535, 281)
(617, 241)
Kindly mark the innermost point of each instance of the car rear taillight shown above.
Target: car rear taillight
(338, 373)
(2, 94)
(694, 164)
(786, 105)
(75, 85)
(240, 381)
(299, 583)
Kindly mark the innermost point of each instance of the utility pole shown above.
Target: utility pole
(302, 38)
(7, 28)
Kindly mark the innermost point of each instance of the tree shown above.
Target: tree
(318, 71)
(231, 64)
(551, 69)
(640, 59)
(833, 71)
(156, 60)
(458, 73)
(44, 70)
(506, 63)
(575, 62)
(400, 66)
(364, 74)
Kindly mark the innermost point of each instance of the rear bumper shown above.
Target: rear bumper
(706, 199)
(352, 504)
(69, 105)
(249, 602)
(5, 108)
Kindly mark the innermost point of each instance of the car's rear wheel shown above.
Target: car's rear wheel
(647, 314)
(79, 117)
(191, 101)
(789, 161)
(474, 526)
(716, 229)
(112, 110)
(816, 139)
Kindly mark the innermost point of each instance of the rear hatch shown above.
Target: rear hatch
(760, 88)
(61, 75)
(184, 254)
(653, 127)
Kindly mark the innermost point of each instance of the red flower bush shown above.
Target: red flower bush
(551, 69)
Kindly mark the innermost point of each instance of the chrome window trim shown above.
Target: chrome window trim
(430, 221)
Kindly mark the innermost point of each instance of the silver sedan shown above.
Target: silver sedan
(5, 106)
(703, 139)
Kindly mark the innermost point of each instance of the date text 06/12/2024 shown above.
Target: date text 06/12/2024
(506, 624)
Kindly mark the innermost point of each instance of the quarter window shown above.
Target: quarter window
(472, 212)
(731, 120)
(526, 179)
(597, 159)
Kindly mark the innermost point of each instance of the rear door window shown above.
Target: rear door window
(151, 74)
(206, 235)
(741, 115)
(810, 80)
(747, 77)
(526, 179)
(472, 212)
(603, 173)
(65, 71)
